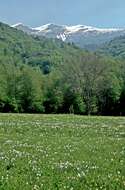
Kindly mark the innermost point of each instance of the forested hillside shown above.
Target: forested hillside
(115, 48)
(49, 76)
(19, 47)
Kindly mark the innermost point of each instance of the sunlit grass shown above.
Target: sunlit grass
(70, 152)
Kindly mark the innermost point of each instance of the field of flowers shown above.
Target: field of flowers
(61, 152)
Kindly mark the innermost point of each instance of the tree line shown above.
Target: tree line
(89, 85)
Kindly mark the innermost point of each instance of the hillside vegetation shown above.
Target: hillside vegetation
(16, 47)
(48, 76)
(115, 48)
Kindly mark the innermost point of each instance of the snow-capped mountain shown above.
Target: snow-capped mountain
(84, 36)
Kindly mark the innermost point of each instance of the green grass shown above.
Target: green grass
(61, 152)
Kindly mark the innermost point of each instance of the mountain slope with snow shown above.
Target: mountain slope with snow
(83, 36)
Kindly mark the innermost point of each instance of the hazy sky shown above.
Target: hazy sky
(101, 13)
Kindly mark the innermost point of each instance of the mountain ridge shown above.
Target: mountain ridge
(70, 28)
(86, 37)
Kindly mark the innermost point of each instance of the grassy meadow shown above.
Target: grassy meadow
(61, 152)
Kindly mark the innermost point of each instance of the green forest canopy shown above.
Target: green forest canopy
(39, 75)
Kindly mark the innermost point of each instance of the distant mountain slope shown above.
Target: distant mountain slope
(16, 46)
(115, 48)
(83, 36)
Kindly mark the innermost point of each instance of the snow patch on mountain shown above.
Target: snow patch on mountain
(17, 25)
(62, 37)
(42, 28)
(77, 28)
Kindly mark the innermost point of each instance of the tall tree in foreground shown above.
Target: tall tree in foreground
(31, 90)
(93, 77)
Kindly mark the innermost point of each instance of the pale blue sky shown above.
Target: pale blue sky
(101, 13)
